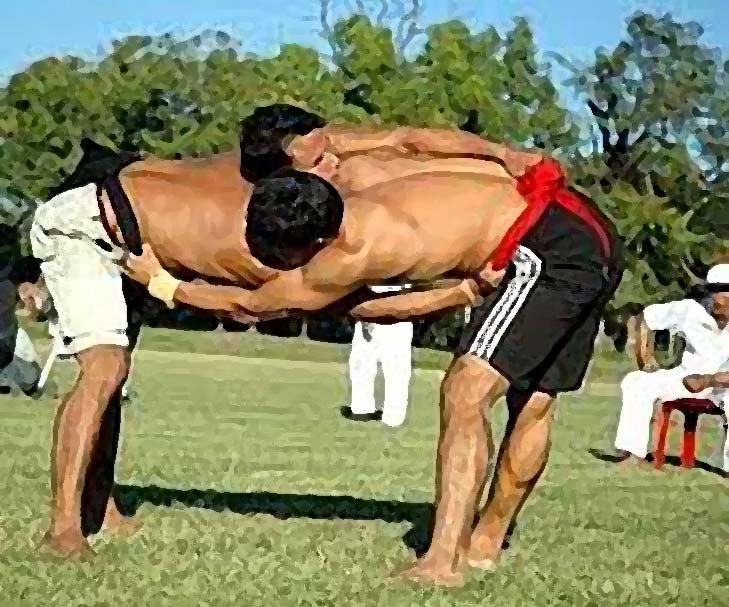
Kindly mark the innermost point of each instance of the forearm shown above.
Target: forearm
(417, 304)
(644, 344)
(205, 296)
(347, 139)
(719, 380)
(460, 142)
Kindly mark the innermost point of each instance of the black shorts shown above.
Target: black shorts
(538, 328)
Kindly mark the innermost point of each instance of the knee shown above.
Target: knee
(539, 408)
(103, 368)
(467, 388)
(631, 382)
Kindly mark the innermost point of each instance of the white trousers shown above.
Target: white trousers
(24, 369)
(641, 391)
(391, 347)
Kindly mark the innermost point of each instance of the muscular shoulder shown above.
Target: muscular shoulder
(160, 167)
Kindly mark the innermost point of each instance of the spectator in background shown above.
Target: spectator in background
(698, 374)
(391, 347)
(19, 365)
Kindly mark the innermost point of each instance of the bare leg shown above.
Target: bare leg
(522, 460)
(98, 505)
(114, 522)
(461, 465)
(76, 432)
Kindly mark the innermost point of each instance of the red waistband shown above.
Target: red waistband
(541, 185)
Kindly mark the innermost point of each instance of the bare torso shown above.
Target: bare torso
(427, 216)
(429, 225)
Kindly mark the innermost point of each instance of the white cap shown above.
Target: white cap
(718, 275)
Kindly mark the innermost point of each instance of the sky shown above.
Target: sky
(33, 29)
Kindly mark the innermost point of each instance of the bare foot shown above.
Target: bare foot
(116, 524)
(69, 544)
(430, 572)
(482, 554)
(482, 564)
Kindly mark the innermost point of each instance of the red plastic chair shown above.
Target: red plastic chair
(691, 409)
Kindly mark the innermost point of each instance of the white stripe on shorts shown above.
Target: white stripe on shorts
(502, 314)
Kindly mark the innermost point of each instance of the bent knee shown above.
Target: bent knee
(468, 385)
(632, 381)
(539, 407)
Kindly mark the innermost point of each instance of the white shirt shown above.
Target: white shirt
(707, 346)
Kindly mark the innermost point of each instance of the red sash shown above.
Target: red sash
(541, 185)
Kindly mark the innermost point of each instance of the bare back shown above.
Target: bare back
(193, 212)
(445, 214)
(428, 225)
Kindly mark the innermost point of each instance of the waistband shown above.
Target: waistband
(541, 185)
(101, 165)
(125, 217)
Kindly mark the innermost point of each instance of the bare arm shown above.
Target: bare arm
(719, 380)
(440, 141)
(311, 287)
(644, 345)
(413, 305)
(698, 383)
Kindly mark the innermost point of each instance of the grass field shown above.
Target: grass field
(254, 491)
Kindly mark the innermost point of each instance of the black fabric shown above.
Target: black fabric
(8, 322)
(124, 214)
(9, 255)
(539, 327)
(101, 165)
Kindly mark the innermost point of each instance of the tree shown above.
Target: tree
(658, 157)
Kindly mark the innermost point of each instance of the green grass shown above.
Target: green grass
(228, 431)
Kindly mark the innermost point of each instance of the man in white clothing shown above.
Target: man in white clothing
(18, 360)
(699, 374)
(391, 346)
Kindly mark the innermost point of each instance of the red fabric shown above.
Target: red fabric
(541, 185)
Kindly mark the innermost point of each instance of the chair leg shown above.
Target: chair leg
(688, 452)
(662, 420)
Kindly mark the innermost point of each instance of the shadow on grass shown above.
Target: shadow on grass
(671, 460)
(288, 505)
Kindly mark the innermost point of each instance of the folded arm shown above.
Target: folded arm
(719, 380)
(699, 383)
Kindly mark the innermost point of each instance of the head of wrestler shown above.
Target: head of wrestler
(282, 135)
(291, 216)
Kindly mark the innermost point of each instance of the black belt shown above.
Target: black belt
(101, 165)
(125, 218)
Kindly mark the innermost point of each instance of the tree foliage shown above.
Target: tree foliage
(657, 159)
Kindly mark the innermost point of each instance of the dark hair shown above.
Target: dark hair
(263, 134)
(287, 214)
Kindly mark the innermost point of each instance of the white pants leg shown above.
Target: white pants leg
(362, 370)
(393, 346)
(640, 391)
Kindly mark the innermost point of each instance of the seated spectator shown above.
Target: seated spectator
(700, 374)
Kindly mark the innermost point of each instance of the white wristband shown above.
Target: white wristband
(162, 286)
